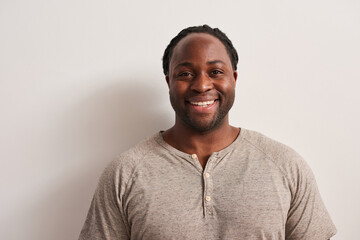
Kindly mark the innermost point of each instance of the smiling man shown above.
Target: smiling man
(203, 178)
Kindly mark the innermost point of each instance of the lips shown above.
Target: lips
(202, 107)
(203, 103)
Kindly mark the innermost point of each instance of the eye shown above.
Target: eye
(184, 74)
(216, 72)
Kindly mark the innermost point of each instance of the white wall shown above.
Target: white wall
(81, 81)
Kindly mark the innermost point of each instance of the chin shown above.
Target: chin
(204, 126)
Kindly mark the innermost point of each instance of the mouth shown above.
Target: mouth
(203, 104)
(203, 107)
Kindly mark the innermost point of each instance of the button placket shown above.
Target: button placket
(193, 158)
(208, 189)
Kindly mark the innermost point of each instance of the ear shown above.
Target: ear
(235, 75)
(167, 80)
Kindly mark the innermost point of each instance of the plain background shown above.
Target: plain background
(81, 81)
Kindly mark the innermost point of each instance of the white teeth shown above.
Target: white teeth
(203, 104)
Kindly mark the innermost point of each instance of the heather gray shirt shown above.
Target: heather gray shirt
(256, 188)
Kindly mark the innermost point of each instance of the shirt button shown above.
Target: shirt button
(207, 175)
(193, 156)
(208, 198)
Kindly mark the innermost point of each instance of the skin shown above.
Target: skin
(200, 70)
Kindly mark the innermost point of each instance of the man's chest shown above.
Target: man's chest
(219, 203)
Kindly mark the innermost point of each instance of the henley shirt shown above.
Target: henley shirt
(256, 188)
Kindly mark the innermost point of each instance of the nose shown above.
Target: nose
(202, 83)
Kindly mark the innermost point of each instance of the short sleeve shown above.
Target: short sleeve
(105, 219)
(307, 217)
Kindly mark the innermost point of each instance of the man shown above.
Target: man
(203, 178)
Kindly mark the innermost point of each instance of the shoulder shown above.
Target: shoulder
(286, 159)
(135, 154)
(120, 171)
(273, 149)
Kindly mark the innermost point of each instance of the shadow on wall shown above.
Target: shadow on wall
(93, 132)
(121, 113)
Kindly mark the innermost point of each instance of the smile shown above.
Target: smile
(202, 104)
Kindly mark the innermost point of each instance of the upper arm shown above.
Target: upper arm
(105, 219)
(307, 216)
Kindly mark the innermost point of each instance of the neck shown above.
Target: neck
(203, 144)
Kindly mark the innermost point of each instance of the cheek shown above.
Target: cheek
(226, 87)
(177, 89)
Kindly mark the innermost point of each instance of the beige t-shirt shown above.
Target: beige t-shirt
(256, 188)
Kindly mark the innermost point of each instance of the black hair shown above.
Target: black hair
(200, 29)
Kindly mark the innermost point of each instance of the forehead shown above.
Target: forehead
(199, 47)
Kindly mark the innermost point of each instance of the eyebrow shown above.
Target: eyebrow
(214, 62)
(189, 64)
(185, 64)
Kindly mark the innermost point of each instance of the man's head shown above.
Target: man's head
(201, 76)
(200, 29)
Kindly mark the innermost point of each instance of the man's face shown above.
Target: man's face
(201, 81)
